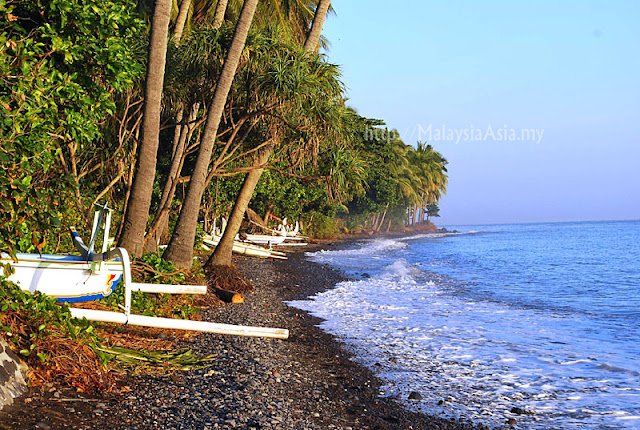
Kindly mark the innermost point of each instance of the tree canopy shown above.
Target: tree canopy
(71, 93)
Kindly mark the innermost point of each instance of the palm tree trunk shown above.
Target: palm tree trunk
(135, 219)
(178, 129)
(159, 228)
(180, 249)
(218, 17)
(181, 20)
(316, 26)
(222, 254)
(384, 214)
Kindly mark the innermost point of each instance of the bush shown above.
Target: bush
(322, 226)
(151, 268)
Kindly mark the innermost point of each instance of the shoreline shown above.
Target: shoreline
(306, 382)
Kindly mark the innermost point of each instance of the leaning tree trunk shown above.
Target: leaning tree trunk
(381, 220)
(159, 229)
(135, 219)
(316, 26)
(180, 249)
(222, 254)
(268, 214)
(181, 21)
(218, 16)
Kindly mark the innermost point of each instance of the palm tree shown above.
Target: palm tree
(304, 94)
(180, 249)
(160, 226)
(181, 20)
(344, 172)
(218, 17)
(211, 11)
(135, 218)
(430, 174)
(222, 255)
(316, 27)
(294, 16)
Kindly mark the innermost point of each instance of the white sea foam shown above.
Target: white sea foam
(444, 234)
(372, 247)
(482, 357)
(433, 349)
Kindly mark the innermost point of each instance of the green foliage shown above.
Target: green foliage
(61, 61)
(28, 320)
(322, 226)
(151, 268)
(433, 210)
(164, 272)
(156, 305)
(183, 359)
(20, 209)
(56, 345)
(70, 74)
(290, 197)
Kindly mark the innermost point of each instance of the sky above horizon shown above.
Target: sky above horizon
(536, 105)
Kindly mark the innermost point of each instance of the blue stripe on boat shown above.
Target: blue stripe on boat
(90, 297)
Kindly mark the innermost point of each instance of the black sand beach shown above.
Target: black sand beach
(305, 382)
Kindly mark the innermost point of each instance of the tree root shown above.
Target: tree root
(228, 278)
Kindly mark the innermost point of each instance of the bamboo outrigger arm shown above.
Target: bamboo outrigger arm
(168, 323)
(176, 324)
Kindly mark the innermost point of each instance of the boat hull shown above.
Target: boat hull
(68, 278)
(244, 248)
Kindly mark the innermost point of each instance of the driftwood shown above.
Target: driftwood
(227, 296)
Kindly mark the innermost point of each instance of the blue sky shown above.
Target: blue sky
(568, 70)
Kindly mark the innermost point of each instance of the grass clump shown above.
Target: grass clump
(56, 346)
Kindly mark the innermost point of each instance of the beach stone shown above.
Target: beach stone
(13, 373)
(512, 421)
(519, 411)
(4, 376)
(414, 395)
(320, 386)
(11, 366)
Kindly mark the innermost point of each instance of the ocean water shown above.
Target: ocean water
(541, 317)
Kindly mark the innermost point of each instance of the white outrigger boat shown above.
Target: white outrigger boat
(276, 238)
(210, 241)
(91, 276)
(292, 234)
(247, 247)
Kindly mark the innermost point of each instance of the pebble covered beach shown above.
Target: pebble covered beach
(306, 382)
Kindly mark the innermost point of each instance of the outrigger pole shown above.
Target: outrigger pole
(146, 321)
(177, 324)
